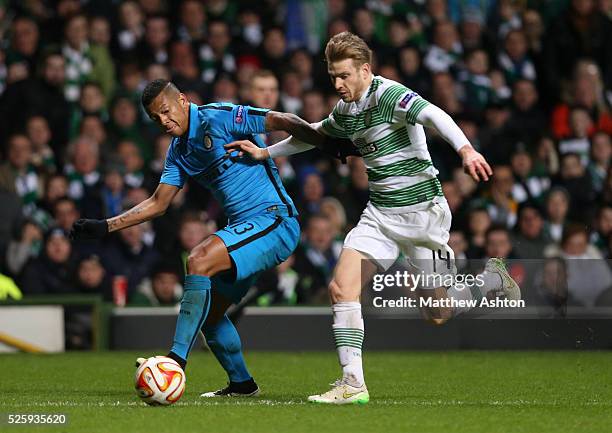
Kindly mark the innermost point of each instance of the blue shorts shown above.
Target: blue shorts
(256, 244)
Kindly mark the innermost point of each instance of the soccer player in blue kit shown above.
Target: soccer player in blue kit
(262, 231)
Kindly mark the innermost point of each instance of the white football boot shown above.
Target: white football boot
(509, 288)
(342, 393)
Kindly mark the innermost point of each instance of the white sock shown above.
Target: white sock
(348, 336)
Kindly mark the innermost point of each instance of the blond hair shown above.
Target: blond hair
(347, 45)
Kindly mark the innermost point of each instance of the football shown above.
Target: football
(159, 381)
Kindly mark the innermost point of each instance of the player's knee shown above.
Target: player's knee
(336, 292)
(199, 262)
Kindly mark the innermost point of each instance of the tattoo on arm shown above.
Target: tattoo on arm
(141, 212)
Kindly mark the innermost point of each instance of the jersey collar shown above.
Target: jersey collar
(193, 121)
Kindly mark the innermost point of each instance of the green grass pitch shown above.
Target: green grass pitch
(442, 392)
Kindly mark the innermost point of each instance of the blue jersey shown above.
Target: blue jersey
(244, 187)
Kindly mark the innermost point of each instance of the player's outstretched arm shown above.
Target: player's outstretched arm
(295, 126)
(474, 163)
(150, 208)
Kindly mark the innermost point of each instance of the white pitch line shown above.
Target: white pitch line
(267, 402)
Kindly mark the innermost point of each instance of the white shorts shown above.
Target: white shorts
(421, 236)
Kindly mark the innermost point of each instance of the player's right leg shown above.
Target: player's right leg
(206, 260)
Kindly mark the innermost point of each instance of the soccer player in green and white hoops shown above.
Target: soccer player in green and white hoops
(407, 211)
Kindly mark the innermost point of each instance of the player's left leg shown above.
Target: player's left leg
(224, 342)
(256, 244)
(430, 255)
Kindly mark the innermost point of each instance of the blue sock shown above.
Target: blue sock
(194, 309)
(224, 341)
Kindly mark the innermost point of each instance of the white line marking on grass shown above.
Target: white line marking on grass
(269, 402)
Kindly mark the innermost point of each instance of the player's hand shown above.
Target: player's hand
(246, 147)
(474, 164)
(89, 229)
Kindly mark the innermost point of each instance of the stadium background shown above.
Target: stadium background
(529, 82)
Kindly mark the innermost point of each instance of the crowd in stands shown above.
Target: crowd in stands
(528, 81)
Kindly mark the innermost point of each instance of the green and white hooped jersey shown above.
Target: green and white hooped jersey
(382, 125)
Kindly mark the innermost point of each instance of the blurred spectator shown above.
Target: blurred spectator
(578, 140)
(500, 203)
(263, 90)
(557, 206)
(52, 272)
(529, 239)
(131, 28)
(575, 180)
(215, 56)
(129, 256)
(601, 153)
(333, 210)
(444, 93)
(55, 188)
(550, 288)
(527, 184)
(125, 126)
(498, 243)
(479, 222)
(312, 192)
(43, 95)
(459, 245)
(192, 26)
(24, 44)
(527, 119)
(136, 174)
(316, 257)
(113, 191)
(43, 159)
(514, 60)
(17, 175)
(91, 103)
(600, 237)
(580, 32)
(586, 91)
(103, 67)
(92, 278)
(82, 171)
(446, 49)
(413, 74)
(65, 213)
(282, 285)
(476, 83)
(77, 54)
(291, 94)
(27, 246)
(163, 288)
(153, 48)
(274, 48)
(588, 274)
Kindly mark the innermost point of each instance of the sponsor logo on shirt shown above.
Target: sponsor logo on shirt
(407, 99)
(239, 117)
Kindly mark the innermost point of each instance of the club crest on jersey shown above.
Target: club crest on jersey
(239, 117)
(407, 99)
(207, 142)
(368, 118)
